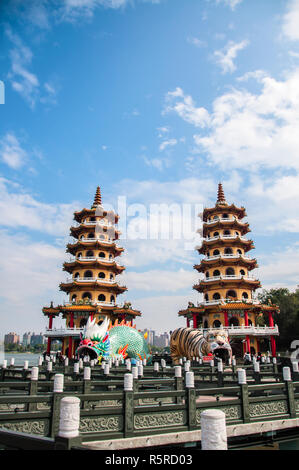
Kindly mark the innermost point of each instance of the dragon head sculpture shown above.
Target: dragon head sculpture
(95, 339)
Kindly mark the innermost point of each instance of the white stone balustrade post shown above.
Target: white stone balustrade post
(69, 417)
(177, 371)
(40, 360)
(163, 363)
(4, 364)
(107, 369)
(12, 361)
(156, 366)
(87, 373)
(34, 373)
(128, 365)
(26, 363)
(128, 382)
(295, 366)
(242, 377)
(76, 368)
(58, 383)
(49, 366)
(256, 367)
(213, 430)
(286, 371)
(220, 366)
(140, 370)
(135, 372)
(189, 379)
(66, 362)
(187, 366)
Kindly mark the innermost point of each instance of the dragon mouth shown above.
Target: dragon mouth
(87, 351)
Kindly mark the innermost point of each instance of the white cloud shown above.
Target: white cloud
(160, 280)
(157, 163)
(184, 106)
(247, 130)
(291, 20)
(225, 57)
(230, 3)
(196, 42)
(161, 313)
(11, 151)
(167, 143)
(19, 209)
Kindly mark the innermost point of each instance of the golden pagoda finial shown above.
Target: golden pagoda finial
(98, 198)
(220, 197)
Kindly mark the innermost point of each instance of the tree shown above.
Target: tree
(288, 317)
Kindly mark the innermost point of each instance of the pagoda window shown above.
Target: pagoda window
(89, 254)
(92, 219)
(231, 293)
(237, 233)
(79, 255)
(90, 235)
(215, 217)
(216, 296)
(216, 234)
(207, 274)
(216, 273)
(217, 324)
(239, 252)
(228, 251)
(74, 297)
(225, 216)
(226, 232)
(110, 256)
(112, 298)
(111, 276)
(234, 321)
(88, 274)
(242, 272)
(86, 295)
(206, 297)
(101, 298)
(245, 295)
(216, 252)
(102, 254)
(77, 275)
(102, 275)
(206, 325)
(230, 272)
(83, 322)
(249, 323)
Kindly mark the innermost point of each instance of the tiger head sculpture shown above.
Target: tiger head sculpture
(216, 342)
(192, 342)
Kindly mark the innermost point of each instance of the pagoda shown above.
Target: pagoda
(227, 285)
(92, 287)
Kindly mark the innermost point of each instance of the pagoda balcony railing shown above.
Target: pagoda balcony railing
(93, 223)
(227, 301)
(91, 302)
(94, 258)
(90, 279)
(228, 277)
(246, 330)
(225, 237)
(221, 219)
(61, 332)
(92, 240)
(228, 256)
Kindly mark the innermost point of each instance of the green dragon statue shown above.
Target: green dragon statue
(118, 341)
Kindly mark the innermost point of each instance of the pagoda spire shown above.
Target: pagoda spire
(97, 198)
(220, 196)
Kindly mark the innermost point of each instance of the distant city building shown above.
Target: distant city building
(26, 339)
(11, 338)
(36, 339)
(161, 341)
(150, 336)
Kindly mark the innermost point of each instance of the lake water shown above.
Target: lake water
(21, 357)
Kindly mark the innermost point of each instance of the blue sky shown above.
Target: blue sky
(156, 101)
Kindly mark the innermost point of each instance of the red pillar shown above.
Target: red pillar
(194, 320)
(225, 318)
(247, 337)
(49, 339)
(70, 354)
(272, 339)
(188, 322)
